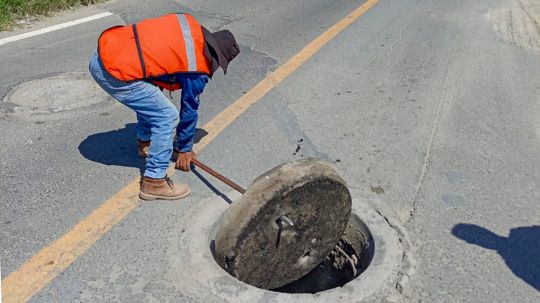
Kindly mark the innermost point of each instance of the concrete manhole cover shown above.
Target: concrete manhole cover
(287, 222)
(56, 93)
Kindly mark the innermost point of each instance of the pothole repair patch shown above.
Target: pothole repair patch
(56, 93)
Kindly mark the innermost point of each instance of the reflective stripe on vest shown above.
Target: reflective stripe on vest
(188, 41)
(169, 44)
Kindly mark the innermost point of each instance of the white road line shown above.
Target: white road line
(53, 28)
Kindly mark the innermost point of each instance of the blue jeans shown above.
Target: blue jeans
(156, 115)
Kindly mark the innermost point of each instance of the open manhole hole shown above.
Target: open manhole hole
(346, 262)
(350, 257)
(363, 255)
(292, 231)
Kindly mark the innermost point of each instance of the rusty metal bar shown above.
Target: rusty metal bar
(219, 176)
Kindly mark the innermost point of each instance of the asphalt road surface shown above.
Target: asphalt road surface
(433, 107)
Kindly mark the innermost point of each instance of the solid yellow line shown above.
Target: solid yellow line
(50, 261)
(231, 113)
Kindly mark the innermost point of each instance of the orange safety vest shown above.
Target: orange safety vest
(165, 45)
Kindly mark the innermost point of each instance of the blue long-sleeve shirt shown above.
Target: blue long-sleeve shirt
(192, 86)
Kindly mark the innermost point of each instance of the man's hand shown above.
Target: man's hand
(184, 160)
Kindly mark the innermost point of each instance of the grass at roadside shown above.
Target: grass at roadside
(13, 10)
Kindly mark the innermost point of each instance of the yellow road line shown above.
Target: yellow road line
(227, 116)
(50, 261)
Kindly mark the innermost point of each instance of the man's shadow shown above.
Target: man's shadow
(520, 250)
(118, 147)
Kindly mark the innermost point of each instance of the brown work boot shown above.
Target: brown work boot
(143, 148)
(164, 189)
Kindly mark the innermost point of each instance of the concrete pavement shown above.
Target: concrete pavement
(426, 106)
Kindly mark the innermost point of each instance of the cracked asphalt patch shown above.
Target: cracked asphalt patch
(518, 23)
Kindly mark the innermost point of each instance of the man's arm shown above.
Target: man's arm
(192, 87)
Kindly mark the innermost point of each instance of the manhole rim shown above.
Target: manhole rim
(24, 109)
(206, 279)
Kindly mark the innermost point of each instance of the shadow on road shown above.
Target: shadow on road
(210, 185)
(118, 147)
(115, 147)
(520, 250)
